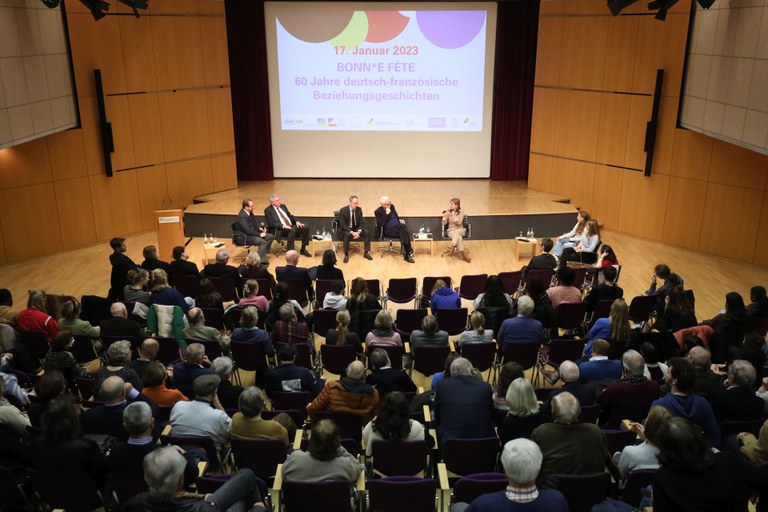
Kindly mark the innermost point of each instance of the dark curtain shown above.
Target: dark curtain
(516, 39)
(247, 41)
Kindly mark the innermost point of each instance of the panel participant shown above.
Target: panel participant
(280, 218)
(352, 228)
(394, 226)
(255, 234)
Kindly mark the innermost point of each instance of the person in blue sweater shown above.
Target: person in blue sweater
(681, 378)
(521, 459)
(522, 328)
(443, 297)
(164, 294)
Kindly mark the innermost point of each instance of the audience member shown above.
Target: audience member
(325, 460)
(288, 377)
(508, 372)
(118, 363)
(443, 297)
(137, 289)
(249, 332)
(70, 312)
(164, 294)
(393, 423)
(646, 454)
(328, 270)
(359, 303)
(634, 391)
(147, 354)
(11, 416)
(292, 272)
(545, 260)
(341, 335)
(335, 298)
(288, 329)
(195, 364)
(152, 261)
(478, 333)
(351, 394)
(428, 335)
(383, 333)
(385, 378)
(47, 387)
(616, 327)
(656, 369)
(60, 359)
(203, 416)
(600, 369)
(155, 388)
(607, 290)
(756, 449)
(221, 269)
(197, 330)
(35, 318)
(670, 279)
(181, 266)
(228, 393)
(493, 295)
(735, 400)
(463, 405)
(121, 264)
(522, 328)
(446, 373)
(281, 296)
(679, 312)
(208, 297)
(564, 292)
(7, 313)
(569, 374)
(247, 423)
(525, 413)
(728, 328)
(253, 269)
(758, 302)
(252, 297)
(119, 325)
(704, 378)
(108, 419)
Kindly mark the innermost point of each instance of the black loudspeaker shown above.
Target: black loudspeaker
(652, 126)
(105, 127)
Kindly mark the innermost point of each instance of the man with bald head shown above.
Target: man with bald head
(293, 272)
(393, 226)
(632, 394)
(222, 269)
(569, 374)
(350, 394)
(147, 353)
(706, 379)
(108, 419)
(119, 325)
(351, 228)
(197, 330)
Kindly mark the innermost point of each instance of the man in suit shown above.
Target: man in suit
(255, 234)
(463, 405)
(385, 378)
(108, 419)
(633, 392)
(194, 365)
(280, 219)
(119, 325)
(121, 264)
(735, 400)
(705, 379)
(292, 272)
(222, 269)
(569, 374)
(352, 227)
(393, 226)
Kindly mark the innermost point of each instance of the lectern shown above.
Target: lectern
(170, 232)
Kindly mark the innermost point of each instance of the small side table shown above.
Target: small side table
(533, 243)
(210, 250)
(327, 239)
(429, 239)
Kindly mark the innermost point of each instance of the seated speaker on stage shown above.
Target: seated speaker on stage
(282, 223)
(586, 250)
(352, 227)
(393, 226)
(453, 217)
(255, 234)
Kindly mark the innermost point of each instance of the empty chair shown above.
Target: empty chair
(570, 316)
(188, 286)
(374, 288)
(292, 400)
(213, 317)
(511, 281)
(471, 286)
(402, 493)
(632, 412)
(250, 357)
(427, 284)
(399, 458)
(265, 288)
(543, 275)
(226, 287)
(562, 350)
(641, 308)
(323, 320)
(212, 348)
(168, 351)
(602, 310)
(526, 354)
(322, 286)
(299, 291)
(336, 495)
(216, 460)
(452, 321)
(481, 355)
(401, 290)
(464, 457)
(408, 320)
(82, 349)
(589, 413)
(350, 426)
(35, 343)
(262, 456)
(85, 386)
(336, 358)
(429, 360)
(582, 492)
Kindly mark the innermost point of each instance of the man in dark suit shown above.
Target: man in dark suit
(221, 269)
(147, 354)
(119, 325)
(121, 264)
(180, 266)
(385, 378)
(108, 419)
(393, 226)
(706, 379)
(255, 234)
(544, 260)
(281, 220)
(463, 405)
(735, 400)
(194, 365)
(292, 272)
(352, 227)
(569, 374)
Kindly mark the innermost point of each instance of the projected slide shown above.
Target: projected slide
(379, 70)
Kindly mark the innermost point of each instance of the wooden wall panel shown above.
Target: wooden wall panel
(761, 247)
(211, 7)
(729, 226)
(89, 120)
(685, 211)
(31, 220)
(544, 120)
(691, 155)
(665, 135)
(639, 115)
(583, 61)
(612, 130)
(583, 121)
(144, 110)
(620, 47)
(138, 55)
(73, 201)
(574, 180)
(122, 134)
(224, 170)
(174, 7)
(188, 179)
(660, 46)
(3, 258)
(540, 172)
(184, 120)
(153, 193)
(220, 125)
(96, 45)
(178, 50)
(215, 53)
(734, 165)
(582, 7)
(606, 196)
(643, 204)
(27, 164)
(549, 7)
(67, 153)
(116, 207)
(548, 51)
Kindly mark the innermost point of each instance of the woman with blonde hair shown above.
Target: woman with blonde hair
(36, 318)
(616, 327)
(383, 334)
(453, 218)
(478, 333)
(524, 414)
(253, 269)
(341, 335)
(164, 294)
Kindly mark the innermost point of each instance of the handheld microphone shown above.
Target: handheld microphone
(445, 211)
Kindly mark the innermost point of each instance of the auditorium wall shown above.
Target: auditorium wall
(595, 77)
(166, 82)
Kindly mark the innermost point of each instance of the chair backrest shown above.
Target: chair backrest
(395, 353)
(213, 317)
(350, 425)
(636, 482)
(35, 343)
(168, 350)
(85, 386)
(265, 288)
(82, 349)
(261, 456)
(429, 360)
(472, 285)
(303, 354)
(53, 304)
(316, 496)
(69, 491)
(374, 288)
(402, 493)
(602, 309)
(526, 354)
(399, 458)
(616, 440)
(298, 417)
(407, 320)
(464, 457)
(225, 286)
(188, 286)
(323, 320)
(452, 320)
(730, 428)
(564, 349)
(427, 283)
(212, 348)
(298, 291)
(94, 309)
(401, 290)
(582, 492)
(204, 442)
(571, 315)
(589, 413)
(249, 356)
(641, 307)
(336, 358)
(469, 487)
(544, 275)
(617, 348)
(481, 355)
(633, 412)
(494, 317)
(511, 281)
(322, 286)
(292, 400)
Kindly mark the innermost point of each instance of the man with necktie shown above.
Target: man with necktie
(352, 228)
(281, 220)
(255, 234)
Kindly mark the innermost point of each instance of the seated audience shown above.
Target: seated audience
(429, 335)
(60, 359)
(147, 353)
(251, 296)
(478, 333)
(195, 364)
(443, 297)
(152, 261)
(385, 378)
(634, 390)
(753, 350)
(119, 325)
(203, 416)
(335, 298)
(646, 454)
(253, 269)
(328, 270)
(181, 265)
(383, 333)
(47, 387)
(11, 416)
(228, 393)
(758, 305)
(208, 297)
(248, 332)
(463, 405)
(197, 330)
(118, 363)
(543, 311)
(735, 400)
(70, 312)
(7, 313)
(164, 294)
(616, 327)
(350, 394)
(392, 423)
(35, 317)
(693, 336)
(564, 292)
(521, 460)
(600, 369)
(493, 295)
(728, 328)
(137, 289)
(325, 460)
(221, 269)
(670, 279)
(155, 388)
(341, 335)
(446, 373)
(12, 389)
(522, 328)
(678, 313)
(525, 413)
(360, 301)
(509, 372)
(248, 423)
(288, 329)
(606, 258)
(281, 296)
(286, 376)
(755, 448)
(704, 378)
(607, 290)
(569, 374)
(108, 419)
(656, 369)
(293, 272)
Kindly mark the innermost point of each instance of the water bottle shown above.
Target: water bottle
(205, 238)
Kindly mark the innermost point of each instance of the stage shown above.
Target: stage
(496, 209)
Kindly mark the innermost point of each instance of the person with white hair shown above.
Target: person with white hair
(633, 392)
(463, 404)
(524, 414)
(164, 475)
(280, 221)
(393, 226)
(569, 374)
(522, 328)
(228, 393)
(221, 268)
(570, 447)
(521, 460)
(735, 400)
(119, 325)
